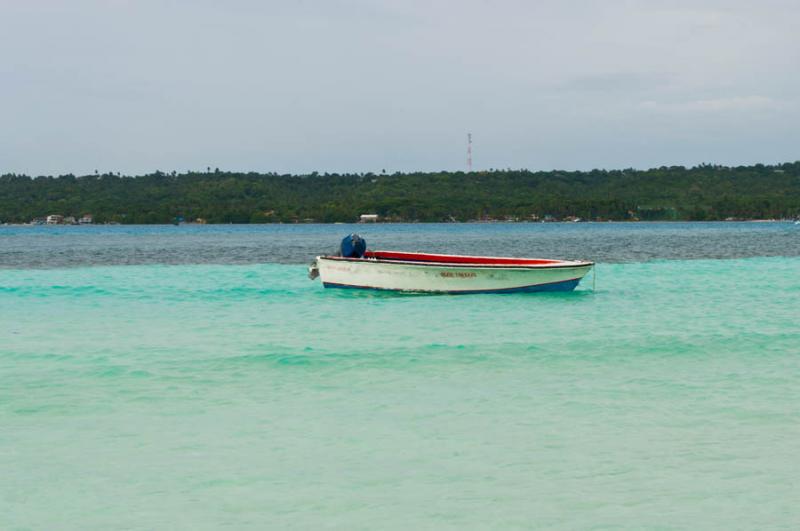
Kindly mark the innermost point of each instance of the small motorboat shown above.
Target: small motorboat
(357, 268)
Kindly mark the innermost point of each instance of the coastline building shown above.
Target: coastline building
(368, 218)
(54, 219)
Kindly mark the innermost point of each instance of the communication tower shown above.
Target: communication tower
(469, 152)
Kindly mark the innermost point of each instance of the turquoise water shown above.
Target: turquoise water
(246, 396)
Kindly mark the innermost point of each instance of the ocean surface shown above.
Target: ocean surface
(194, 378)
(77, 246)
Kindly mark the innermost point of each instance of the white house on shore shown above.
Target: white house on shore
(86, 219)
(55, 219)
(368, 218)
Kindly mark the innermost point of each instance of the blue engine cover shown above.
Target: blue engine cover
(353, 246)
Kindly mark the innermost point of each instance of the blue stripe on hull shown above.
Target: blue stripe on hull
(565, 285)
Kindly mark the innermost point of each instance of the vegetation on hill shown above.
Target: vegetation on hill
(705, 192)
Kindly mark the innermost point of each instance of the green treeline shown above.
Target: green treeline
(704, 192)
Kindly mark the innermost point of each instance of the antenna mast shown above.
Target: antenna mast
(469, 152)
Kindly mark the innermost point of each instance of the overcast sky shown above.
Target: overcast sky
(356, 85)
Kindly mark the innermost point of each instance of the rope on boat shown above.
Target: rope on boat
(313, 270)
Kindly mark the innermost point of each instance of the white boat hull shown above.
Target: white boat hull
(449, 278)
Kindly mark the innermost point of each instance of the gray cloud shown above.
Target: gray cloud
(362, 85)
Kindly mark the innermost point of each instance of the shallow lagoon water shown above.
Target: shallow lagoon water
(245, 396)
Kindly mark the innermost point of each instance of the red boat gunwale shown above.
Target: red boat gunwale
(459, 260)
(455, 259)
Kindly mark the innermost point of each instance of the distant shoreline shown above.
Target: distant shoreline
(523, 222)
(675, 193)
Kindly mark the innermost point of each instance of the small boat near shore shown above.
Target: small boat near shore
(357, 268)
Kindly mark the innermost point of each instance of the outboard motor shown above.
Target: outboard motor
(353, 246)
